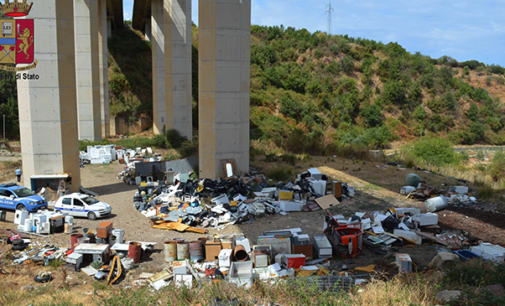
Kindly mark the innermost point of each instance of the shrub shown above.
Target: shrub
(280, 173)
(497, 166)
(159, 141)
(480, 155)
(420, 113)
(372, 115)
(347, 65)
(435, 151)
(464, 155)
(478, 130)
(174, 138)
(466, 70)
(480, 70)
(489, 81)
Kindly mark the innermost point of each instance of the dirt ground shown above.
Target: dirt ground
(376, 190)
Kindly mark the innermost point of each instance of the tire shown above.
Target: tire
(21, 207)
(91, 215)
(19, 247)
(58, 211)
(17, 242)
(42, 280)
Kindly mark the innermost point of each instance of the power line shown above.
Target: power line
(329, 11)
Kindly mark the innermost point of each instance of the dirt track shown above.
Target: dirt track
(369, 197)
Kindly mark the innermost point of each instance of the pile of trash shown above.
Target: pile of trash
(107, 153)
(42, 222)
(417, 188)
(179, 200)
(278, 255)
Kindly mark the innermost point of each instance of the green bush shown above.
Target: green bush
(159, 141)
(466, 70)
(280, 173)
(435, 151)
(497, 166)
(372, 115)
(464, 155)
(174, 138)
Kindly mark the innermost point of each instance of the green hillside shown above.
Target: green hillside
(312, 91)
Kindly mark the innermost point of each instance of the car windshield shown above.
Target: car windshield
(90, 200)
(23, 192)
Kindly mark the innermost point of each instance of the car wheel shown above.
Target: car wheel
(21, 207)
(91, 216)
(58, 211)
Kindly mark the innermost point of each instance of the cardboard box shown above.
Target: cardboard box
(104, 230)
(212, 250)
(227, 243)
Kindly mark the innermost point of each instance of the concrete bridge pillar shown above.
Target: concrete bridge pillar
(224, 84)
(158, 62)
(103, 64)
(86, 20)
(178, 97)
(47, 106)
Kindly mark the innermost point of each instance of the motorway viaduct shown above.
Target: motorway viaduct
(69, 101)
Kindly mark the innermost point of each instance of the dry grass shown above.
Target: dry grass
(413, 289)
(403, 290)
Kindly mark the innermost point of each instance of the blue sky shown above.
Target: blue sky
(462, 29)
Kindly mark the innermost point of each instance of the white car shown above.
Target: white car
(82, 205)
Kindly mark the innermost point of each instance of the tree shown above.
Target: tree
(477, 129)
(473, 112)
(347, 65)
(333, 68)
(394, 93)
(450, 102)
(416, 92)
(420, 114)
(372, 115)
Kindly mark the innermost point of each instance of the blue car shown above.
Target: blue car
(15, 197)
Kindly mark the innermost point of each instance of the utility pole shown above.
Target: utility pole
(4, 127)
(329, 11)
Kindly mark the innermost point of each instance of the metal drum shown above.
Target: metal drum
(74, 240)
(182, 250)
(196, 250)
(69, 219)
(134, 251)
(170, 251)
